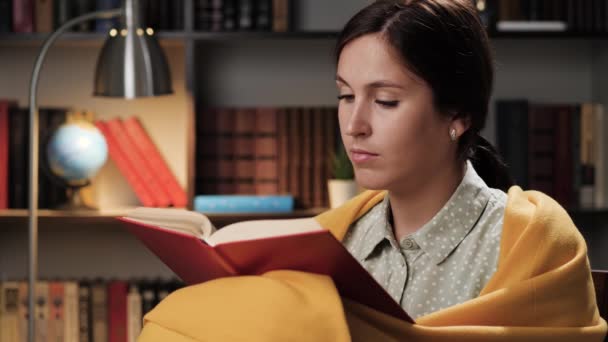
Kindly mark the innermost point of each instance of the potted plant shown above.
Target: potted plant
(342, 185)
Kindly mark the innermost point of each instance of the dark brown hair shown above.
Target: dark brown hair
(444, 43)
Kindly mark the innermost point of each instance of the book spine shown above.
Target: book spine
(84, 312)
(19, 142)
(99, 312)
(243, 151)
(6, 16)
(243, 204)
(245, 15)
(134, 314)
(265, 148)
(601, 170)
(541, 156)
(70, 304)
(587, 189)
(280, 15)
(229, 15)
(563, 155)
(512, 137)
(105, 25)
(283, 152)
(44, 16)
(9, 306)
(263, 15)
(62, 12)
(319, 158)
(117, 311)
(22, 311)
(23, 16)
(41, 313)
(4, 151)
(295, 172)
(56, 311)
(146, 147)
(306, 159)
(125, 167)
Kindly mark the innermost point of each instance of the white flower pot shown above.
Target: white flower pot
(341, 190)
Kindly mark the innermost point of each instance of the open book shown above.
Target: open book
(188, 243)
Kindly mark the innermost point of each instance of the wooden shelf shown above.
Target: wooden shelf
(168, 36)
(18, 217)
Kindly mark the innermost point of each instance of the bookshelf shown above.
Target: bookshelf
(227, 69)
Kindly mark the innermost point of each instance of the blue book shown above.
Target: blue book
(243, 204)
(105, 25)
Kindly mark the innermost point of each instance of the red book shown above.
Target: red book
(146, 147)
(139, 162)
(56, 306)
(23, 16)
(117, 311)
(4, 109)
(186, 242)
(125, 167)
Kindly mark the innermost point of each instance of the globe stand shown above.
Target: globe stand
(75, 201)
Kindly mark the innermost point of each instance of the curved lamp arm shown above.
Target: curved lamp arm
(33, 157)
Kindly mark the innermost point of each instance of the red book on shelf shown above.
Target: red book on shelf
(4, 108)
(125, 167)
(144, 144)
(23, 16)
(196, 253)
(117, 311)
(141, 166)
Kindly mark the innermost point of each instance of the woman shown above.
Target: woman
(468, 261)
(415, 81)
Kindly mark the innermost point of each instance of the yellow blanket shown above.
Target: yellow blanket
(541, 291)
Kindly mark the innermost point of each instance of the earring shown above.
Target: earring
(453, 134)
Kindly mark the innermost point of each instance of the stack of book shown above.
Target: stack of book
(81, 310)
(43, 16)
(559, 149)
(242, 15)
(14, 160)
(266, 151)
(141, 163)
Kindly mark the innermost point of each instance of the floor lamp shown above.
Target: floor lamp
(131, 64)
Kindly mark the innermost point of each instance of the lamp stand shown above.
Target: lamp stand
(33, 159)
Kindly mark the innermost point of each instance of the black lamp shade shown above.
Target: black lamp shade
(132, 64)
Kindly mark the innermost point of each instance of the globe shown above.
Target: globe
(75, 152)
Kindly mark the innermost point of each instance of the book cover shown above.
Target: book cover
(243, 203)
(196, 261)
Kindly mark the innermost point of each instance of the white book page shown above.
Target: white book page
(180, 220)
(251, 230)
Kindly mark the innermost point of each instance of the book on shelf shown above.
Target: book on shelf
(558, 149)
(243, 204)
(188, 243)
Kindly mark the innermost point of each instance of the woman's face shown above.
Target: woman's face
(392, 132)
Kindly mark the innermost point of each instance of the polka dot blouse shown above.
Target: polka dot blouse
(447, 261)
